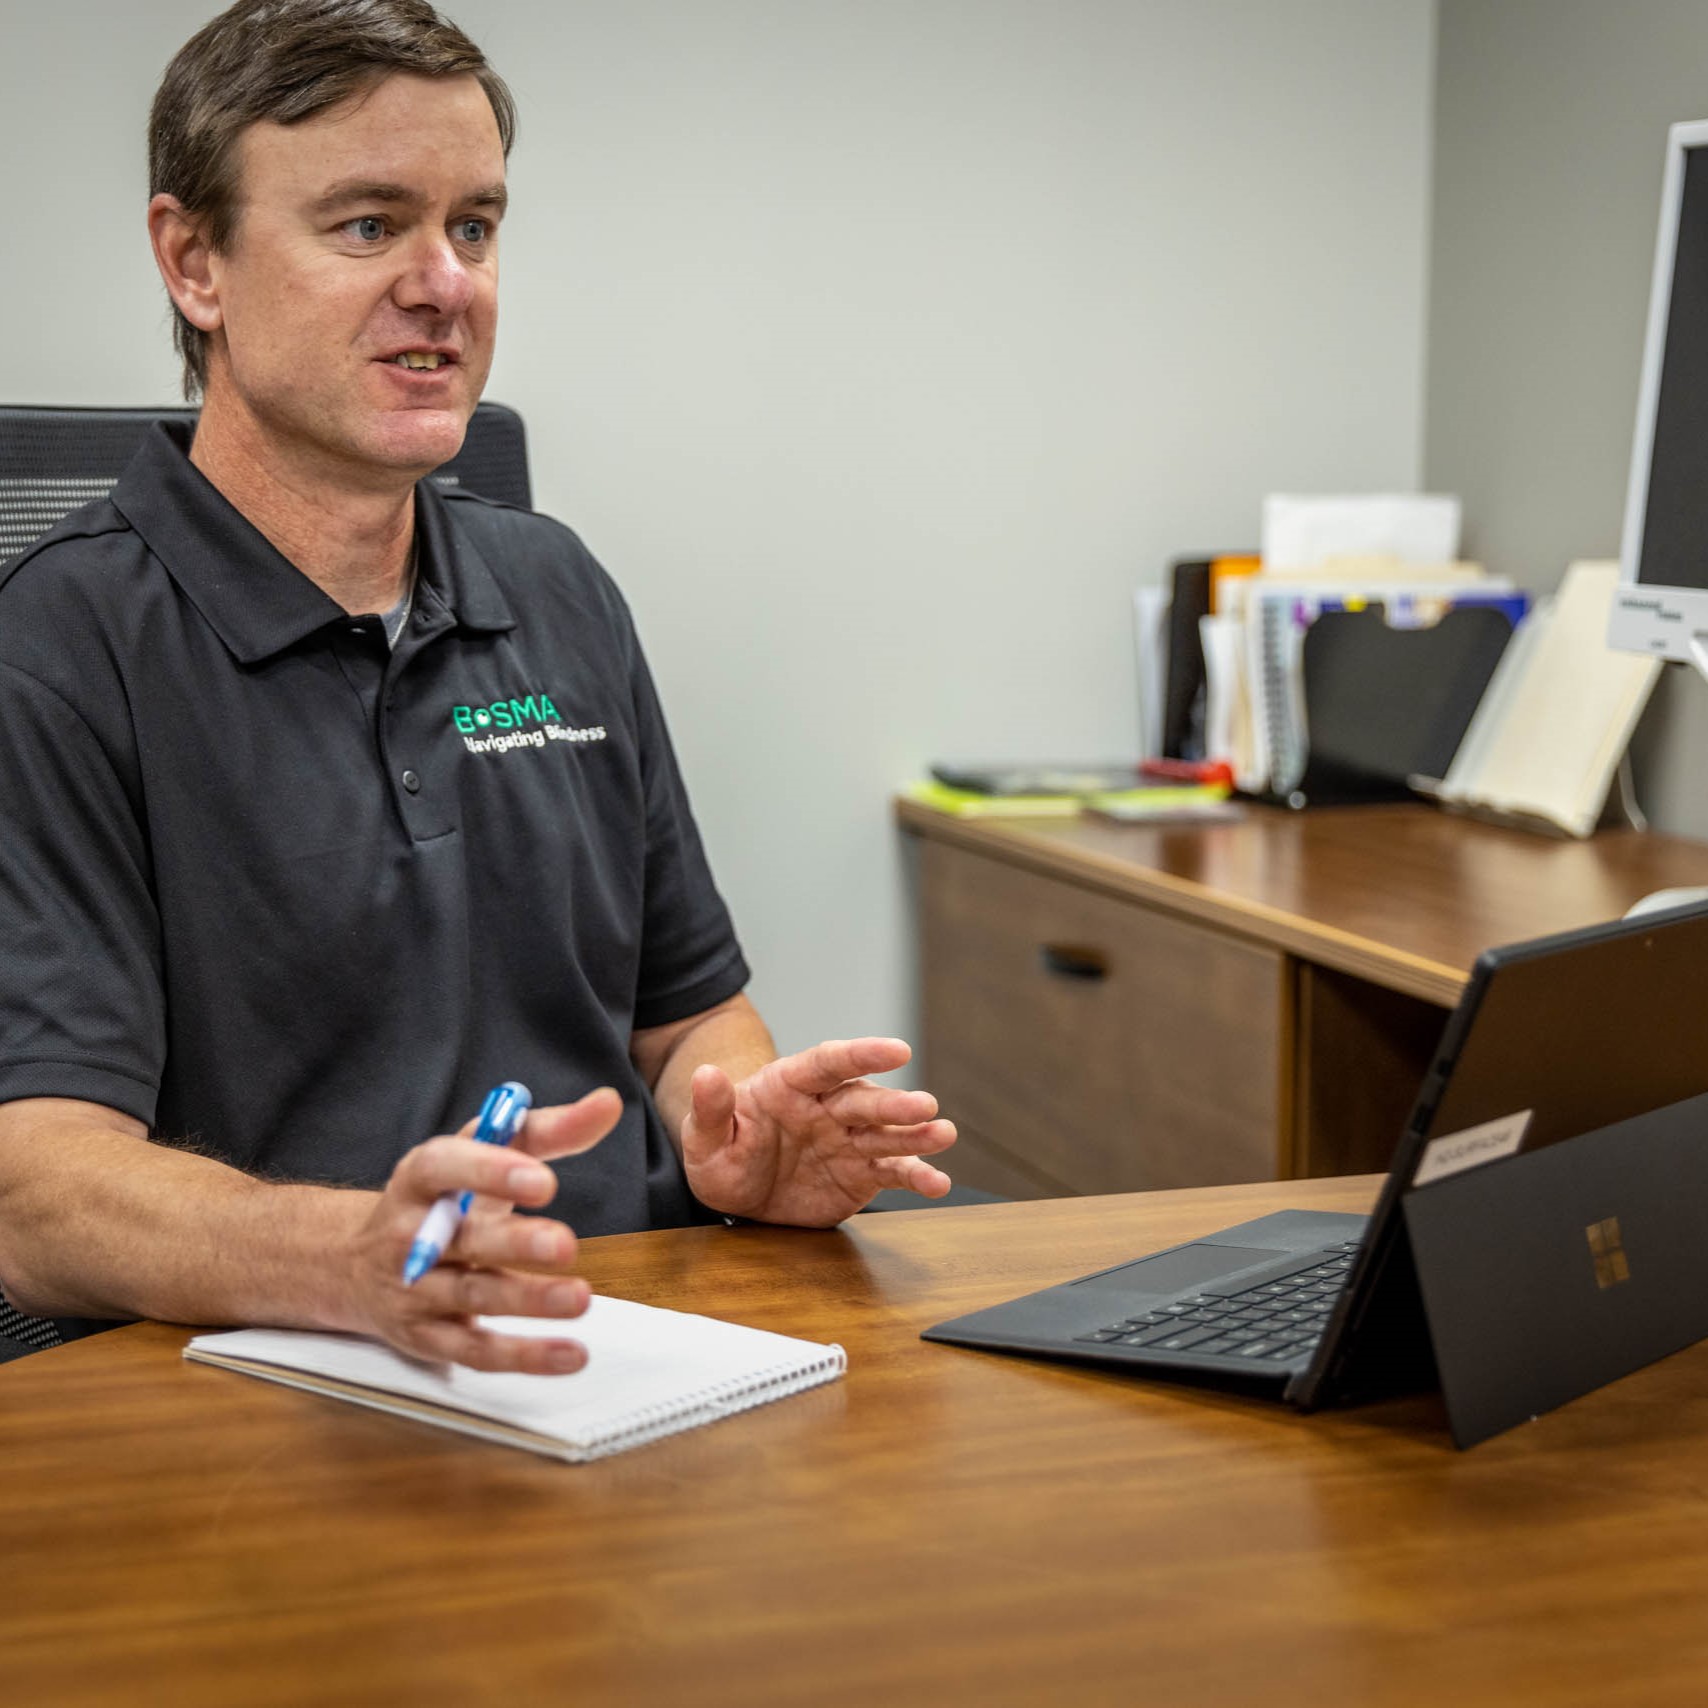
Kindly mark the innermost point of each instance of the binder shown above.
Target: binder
(1193, 584)
(1183, 692)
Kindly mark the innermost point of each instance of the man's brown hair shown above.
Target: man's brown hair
(285, 61)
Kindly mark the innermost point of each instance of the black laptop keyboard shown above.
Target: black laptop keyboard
(1270, 1322)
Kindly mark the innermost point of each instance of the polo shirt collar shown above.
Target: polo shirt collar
(253, 597)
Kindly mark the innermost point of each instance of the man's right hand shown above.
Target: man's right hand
(500, 1264)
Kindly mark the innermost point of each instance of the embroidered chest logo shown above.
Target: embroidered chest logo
(504, 725)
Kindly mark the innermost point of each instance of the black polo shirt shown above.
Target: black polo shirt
(301, 900)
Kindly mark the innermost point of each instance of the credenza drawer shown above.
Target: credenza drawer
(1095, 1041)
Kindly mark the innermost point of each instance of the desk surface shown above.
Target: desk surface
(943, 1526)
(1405, 895)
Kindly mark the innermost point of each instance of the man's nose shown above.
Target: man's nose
(437, 278)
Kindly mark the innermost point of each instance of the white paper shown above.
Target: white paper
(1150, 657)
(1228, 724)
(1471, 1147)
(1302, 533)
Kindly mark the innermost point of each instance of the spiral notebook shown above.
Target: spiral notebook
(650, 1373)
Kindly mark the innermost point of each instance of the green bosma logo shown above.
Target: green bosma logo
(512, 726)
(505, 714)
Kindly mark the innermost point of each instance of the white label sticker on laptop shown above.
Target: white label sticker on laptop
(1455, 1152)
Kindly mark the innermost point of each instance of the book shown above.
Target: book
(972, 803)
(1217, 809)
(650, 1373)
(1031, 777)
(1558, 714)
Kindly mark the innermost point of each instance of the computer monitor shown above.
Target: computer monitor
(1661, 608)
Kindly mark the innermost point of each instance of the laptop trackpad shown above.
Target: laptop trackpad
(1170, 1271)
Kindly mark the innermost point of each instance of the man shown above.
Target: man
(268, 898)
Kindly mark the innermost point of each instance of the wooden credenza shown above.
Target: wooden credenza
(1112, 1008)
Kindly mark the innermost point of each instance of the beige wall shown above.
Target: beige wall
(879, 348)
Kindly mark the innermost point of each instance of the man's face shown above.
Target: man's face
(366, 233)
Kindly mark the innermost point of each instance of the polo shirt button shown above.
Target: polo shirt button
(411, 782)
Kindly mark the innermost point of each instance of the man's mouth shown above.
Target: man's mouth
(419, 359)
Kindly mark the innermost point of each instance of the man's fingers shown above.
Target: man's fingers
(455, 1290)
(912, 1174)
(825, 1066)
(566, 1129)
(927, 1138)
(460, 1342)
(461, 1165)
(711, 1108)
(860, 1105)
(514, 1242)
(498, 1264)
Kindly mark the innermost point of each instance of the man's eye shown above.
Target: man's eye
(370, 228)
(471, 230)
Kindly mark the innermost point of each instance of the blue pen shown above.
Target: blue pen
(501, 1117)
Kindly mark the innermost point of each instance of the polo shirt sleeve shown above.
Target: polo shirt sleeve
(690, 957)
(81, 1005)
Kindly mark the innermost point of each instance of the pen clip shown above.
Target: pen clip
(503, 1112)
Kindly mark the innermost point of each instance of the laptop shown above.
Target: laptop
(1543, 1228)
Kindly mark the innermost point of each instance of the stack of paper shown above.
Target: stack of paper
(1304, 534)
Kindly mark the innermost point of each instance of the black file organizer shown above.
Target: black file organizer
(1384, 704)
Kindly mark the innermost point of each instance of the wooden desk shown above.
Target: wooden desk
(942, 1527)
(1266, 995)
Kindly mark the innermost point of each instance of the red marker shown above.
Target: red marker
(1188, 770)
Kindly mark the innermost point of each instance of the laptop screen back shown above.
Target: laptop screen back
(1553, 1038)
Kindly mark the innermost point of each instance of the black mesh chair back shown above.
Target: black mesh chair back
(52, 461)
(20, 1334)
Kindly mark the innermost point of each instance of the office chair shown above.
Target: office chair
(21, 1335)
(54, 460)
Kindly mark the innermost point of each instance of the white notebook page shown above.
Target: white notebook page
(650, 1372)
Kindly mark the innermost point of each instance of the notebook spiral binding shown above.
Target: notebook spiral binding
(707, 1405)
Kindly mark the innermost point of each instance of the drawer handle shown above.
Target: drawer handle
(1073, 961)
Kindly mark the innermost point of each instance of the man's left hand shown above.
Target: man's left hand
(808, 1139)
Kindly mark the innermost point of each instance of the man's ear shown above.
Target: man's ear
(185, 260)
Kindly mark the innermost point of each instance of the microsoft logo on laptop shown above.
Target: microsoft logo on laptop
(1608, 1250)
